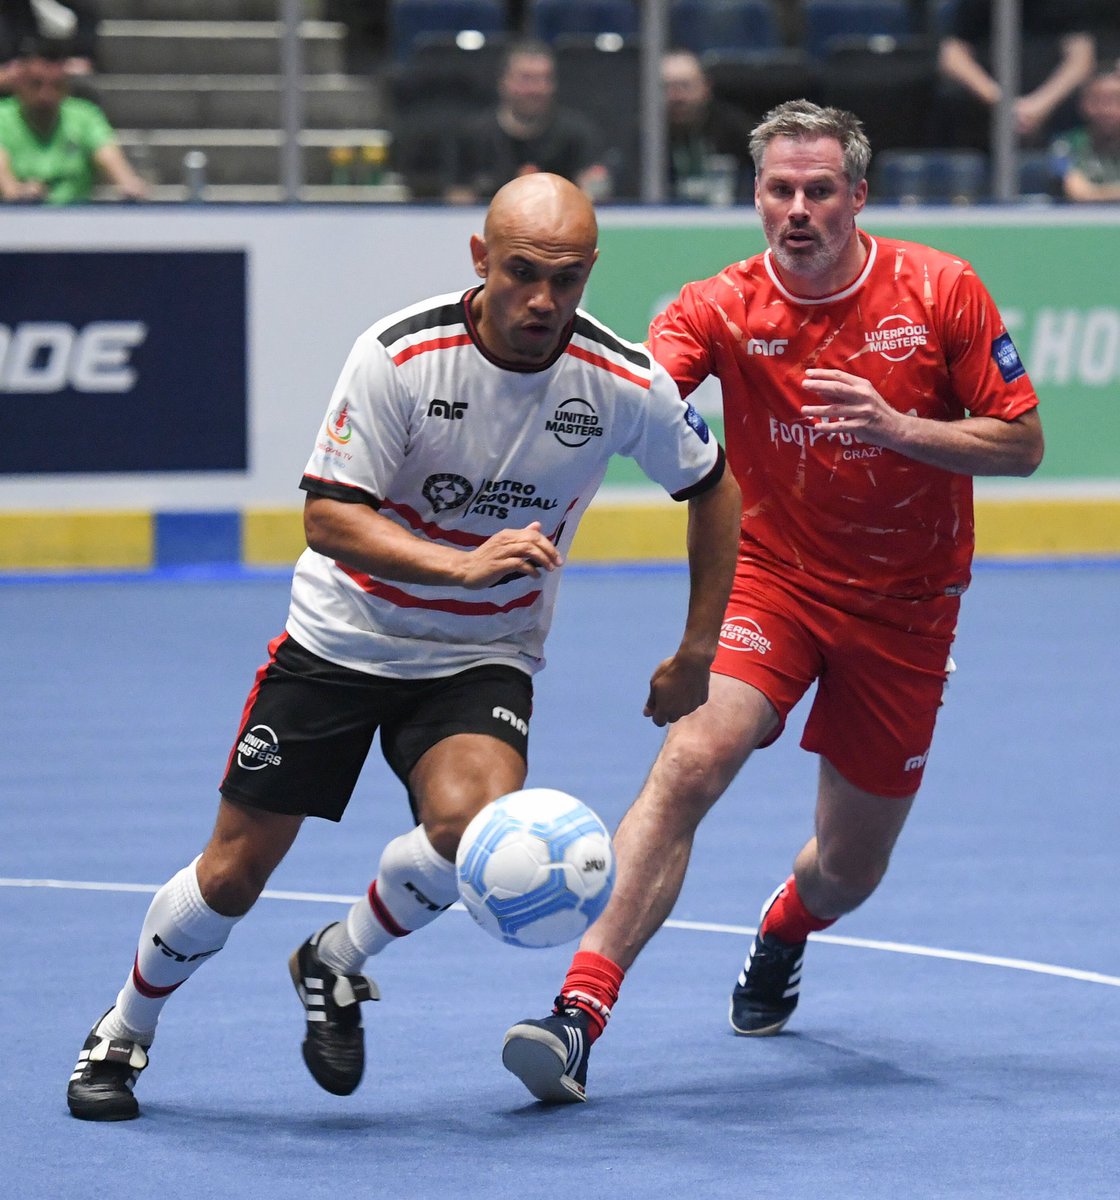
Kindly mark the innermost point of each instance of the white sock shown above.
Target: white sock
(180, 933)
(414, 885)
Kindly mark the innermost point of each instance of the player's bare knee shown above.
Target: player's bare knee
(691, 775)
(232, 874)
(444, 826)
(232, 879)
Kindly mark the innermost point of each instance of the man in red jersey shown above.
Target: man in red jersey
(865, 381)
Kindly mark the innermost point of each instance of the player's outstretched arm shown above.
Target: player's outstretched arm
(680, 684)
(362, 538)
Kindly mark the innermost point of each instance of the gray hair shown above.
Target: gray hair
(803, 120)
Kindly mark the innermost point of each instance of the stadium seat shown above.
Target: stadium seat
(409, 19)
(708, 25)
(551, 19)
(944, 12)
(600, 77)
(755, 83)
(905, 176)
(1038, 178)
(448, 71)
(889, 84)
(826, 20)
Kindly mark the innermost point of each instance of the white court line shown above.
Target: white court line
(984, 960)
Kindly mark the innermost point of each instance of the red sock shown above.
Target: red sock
(592, 984)
(789, 919)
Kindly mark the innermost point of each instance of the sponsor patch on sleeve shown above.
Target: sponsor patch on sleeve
(1007, 358)
(699, 425)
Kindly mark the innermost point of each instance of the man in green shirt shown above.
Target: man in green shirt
(1089, 157)
(53, 146)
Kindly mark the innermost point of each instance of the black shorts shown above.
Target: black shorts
(308, 726)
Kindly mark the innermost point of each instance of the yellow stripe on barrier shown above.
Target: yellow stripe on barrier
(631, 533)
(1052, 528)
(1056, 528)
(272, 536)
(76, 541)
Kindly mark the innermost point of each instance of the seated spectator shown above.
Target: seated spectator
(1089, 157)
(527, 132)
(707, 139)
(1057, 57)
(53, 146)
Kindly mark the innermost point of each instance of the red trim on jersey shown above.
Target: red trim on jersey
(335, 483)
(429, 529)
(383, 915)
(440, 343)
(597, 360)
(462, 608)
(148, 990)
(273, 647)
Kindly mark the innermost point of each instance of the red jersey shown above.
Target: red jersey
(856, 523)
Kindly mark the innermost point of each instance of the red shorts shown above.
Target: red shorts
(878, 686)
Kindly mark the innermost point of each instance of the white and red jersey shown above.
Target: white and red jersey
(427, 427)
(853, 523)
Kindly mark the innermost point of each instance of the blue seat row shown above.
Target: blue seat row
(699, 25)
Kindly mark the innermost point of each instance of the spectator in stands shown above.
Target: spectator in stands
(527, 131)
(53, 146)
(1088, 158)
(24, 21)
(706, 137)
(1058, 56)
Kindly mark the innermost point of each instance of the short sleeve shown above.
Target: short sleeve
(987, 374)
(96, 130)
(364, 436)
(672, 443)
(679, 341)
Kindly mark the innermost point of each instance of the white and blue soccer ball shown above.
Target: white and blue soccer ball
(535, 868)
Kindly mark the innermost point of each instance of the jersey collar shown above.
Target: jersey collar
(844, 293)
(520, 368)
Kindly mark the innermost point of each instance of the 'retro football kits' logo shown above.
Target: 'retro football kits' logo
(743, 634)
(443, 491)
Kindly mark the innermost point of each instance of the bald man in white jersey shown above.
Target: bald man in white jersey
(465, 438)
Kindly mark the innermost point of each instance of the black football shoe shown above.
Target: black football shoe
(334, 1046)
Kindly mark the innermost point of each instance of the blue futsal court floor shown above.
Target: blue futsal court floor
(958, 1036)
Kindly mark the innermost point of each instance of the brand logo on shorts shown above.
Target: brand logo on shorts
(743, 634)
(259, 748)
(916, 762)
(445, 491)
(503, 714)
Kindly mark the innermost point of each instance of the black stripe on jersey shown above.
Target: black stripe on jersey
(709, 481)
(593, 333)
(434, 318)
(345, 492)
